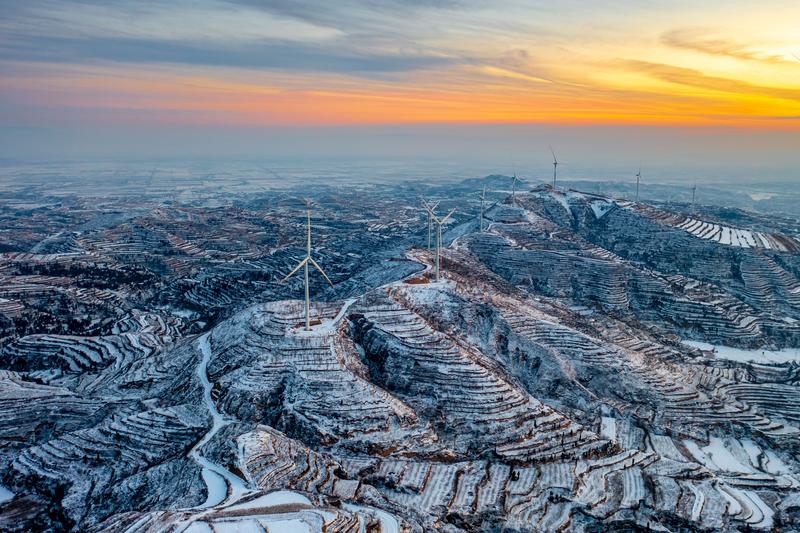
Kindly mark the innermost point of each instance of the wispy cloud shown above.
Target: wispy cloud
(695, 78)
(702, 40)
(282, 55)
(210, 21)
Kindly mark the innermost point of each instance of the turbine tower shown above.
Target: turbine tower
(430, 209)
(555, 166)
(483, 199)
(638, 177)
(694, 192)
(514, 188)
(304, 263)
(439, 224)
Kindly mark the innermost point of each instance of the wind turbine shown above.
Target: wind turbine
(430, 209)
(694, 191)
(483, 199)
(514, 188)
(439, 224)
(638, 177)
(555, 166)
(304, 263)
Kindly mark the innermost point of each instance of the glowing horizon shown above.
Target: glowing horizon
(274, 63)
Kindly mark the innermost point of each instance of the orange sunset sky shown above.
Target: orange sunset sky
(83, 66)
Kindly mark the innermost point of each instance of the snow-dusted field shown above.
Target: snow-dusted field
(786, 355)
(536, 387)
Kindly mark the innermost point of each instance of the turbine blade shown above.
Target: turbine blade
(554, 155)
(448, 216)
(298, 267)
(433, 215)
(321, 271)
(429, 208)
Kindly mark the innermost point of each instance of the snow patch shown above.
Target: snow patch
(280, 497)
(748, 356)
(326, 326)
(723, 458)
(760, 196)
(215, 483)
(288, 526)
(198, 527)
(727, 235)
(762, 515)
(600, 208)
(608, 428)
(5, 494)
(389, 523)
(561, 198)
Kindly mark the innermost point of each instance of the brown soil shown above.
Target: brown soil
(314, 322)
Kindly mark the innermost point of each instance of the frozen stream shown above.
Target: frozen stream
(225, 489)
(216, 477)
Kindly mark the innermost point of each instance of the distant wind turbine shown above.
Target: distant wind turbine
(483, 199)
(429, 208)
(439, 224)
(694, 191)
(638, 177)
(304, 263)
(555, 166)
(514, 188)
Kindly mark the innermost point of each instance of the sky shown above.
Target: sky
(712, 84)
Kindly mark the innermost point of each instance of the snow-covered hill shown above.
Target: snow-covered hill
(542, 385)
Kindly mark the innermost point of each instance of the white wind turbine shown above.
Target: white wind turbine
(638, 177)
(514, 188)
(555, 166)
(430, 209)
(304, 264)
(483, 199)
(439, 224)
